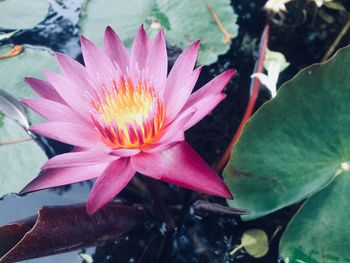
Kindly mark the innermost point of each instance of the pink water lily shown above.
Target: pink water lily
(125, 115)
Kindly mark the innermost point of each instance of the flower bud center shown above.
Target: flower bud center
(128, 115)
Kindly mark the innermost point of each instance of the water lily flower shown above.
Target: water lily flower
(125, 115)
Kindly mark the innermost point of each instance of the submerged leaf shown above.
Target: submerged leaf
(59, 229)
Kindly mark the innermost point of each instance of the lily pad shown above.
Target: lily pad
(21, 161)
(319, 232)
(255, 242)
(19, 14)
(184, 22)
(296, 143)
(29, 63)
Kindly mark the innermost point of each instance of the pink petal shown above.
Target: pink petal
(71, 133)
(99, 67)
(115, 49)
(57, 177)
(182, 165)
(143, 163)
(203, 106)
(124, 152)
(180, 73)
(157, 63)
(109, 184)
(70, 93)
(74, 71)
(175, 104)
(73, 159)
(44, 89)
(52, 110)
(161, 146)
(214, 86)
(139, 52)
(175, 130)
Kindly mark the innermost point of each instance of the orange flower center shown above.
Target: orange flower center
(128, 116)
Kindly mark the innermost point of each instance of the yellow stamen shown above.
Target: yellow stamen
(129, 116)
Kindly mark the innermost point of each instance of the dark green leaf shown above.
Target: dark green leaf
(296, 143)
(319, 232)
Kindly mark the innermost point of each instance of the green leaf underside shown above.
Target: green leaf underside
(21, 162)
(319, 232)
(30, 63)
(184, 22)
(295, 144)
(19, 14)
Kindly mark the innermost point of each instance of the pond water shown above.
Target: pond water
(197, 238)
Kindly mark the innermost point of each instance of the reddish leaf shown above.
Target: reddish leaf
(58, 229)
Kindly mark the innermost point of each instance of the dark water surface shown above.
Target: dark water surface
(205, 238)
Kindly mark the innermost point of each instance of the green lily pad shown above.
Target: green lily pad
(255, 242)
(319, 232)
(296, 143)
(19, 14)
(20, 162)
(29, 63)
(184, 22)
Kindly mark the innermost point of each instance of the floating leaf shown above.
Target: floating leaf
(296, 143)
(319, 232)
(255, 242)
(184, 22)
(29, 63)
(20, 162)
(19, 14)
(59, 229)
(13, 109)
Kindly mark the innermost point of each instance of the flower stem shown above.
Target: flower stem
(236, 249)
(227, 35)
(16, 50)
(254, 91)
(336, 41)
(153, 188)
(15, 141)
